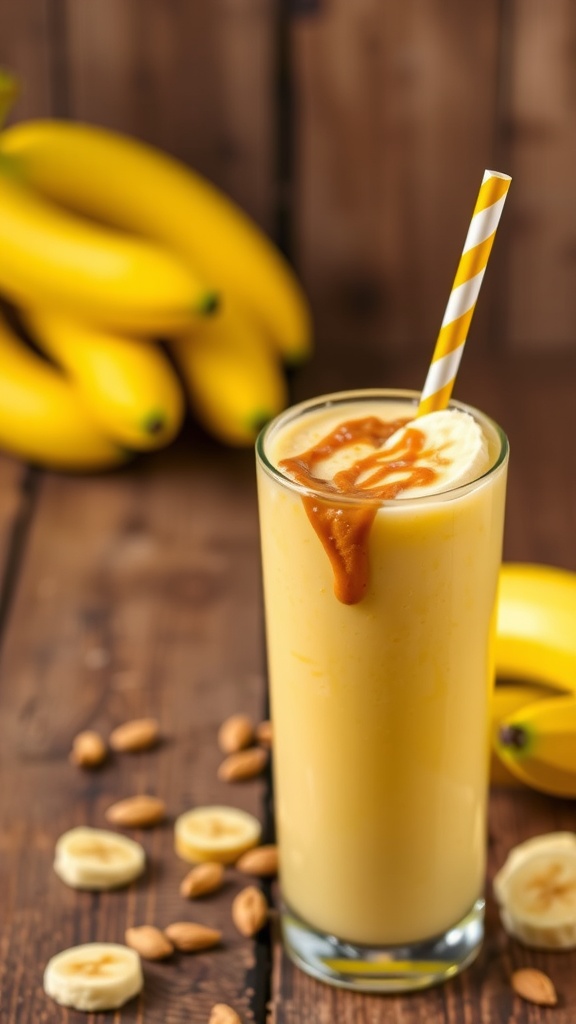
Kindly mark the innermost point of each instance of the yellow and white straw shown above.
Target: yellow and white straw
(461, 304)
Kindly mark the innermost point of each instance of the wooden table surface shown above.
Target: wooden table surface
(138, 593)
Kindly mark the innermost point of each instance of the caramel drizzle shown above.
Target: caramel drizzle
(344, 532)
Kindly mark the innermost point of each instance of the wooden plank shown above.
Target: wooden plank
(540, 120)
(139, 595)
(395, 123)
(194, 79)
(16, 498)
(26, 49)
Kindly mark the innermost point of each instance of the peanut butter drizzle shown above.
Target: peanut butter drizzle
(344, 532)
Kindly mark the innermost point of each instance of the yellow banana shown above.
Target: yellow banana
(52, 257)
(130, 185)
(534, 719)
(128, 387)
(42, 417)
(536, 625)
(538, 745)
(234, 380)
(507, 699)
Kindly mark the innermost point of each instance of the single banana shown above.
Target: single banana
(537, 744)
(94, 976)
(49, 256)
(94, 858)
(42, 417)
(536, 633)
(233, 378)
(128, 387)
(508, 698)
(215, 833)
(536, 891)
(135, 187)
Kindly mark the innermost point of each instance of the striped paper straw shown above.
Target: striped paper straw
(462, 302)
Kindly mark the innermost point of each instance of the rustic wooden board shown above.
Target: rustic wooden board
(540, 108)
(394, 127)
(195, 79)
(29, 48)
(17, 487)
(139, 594)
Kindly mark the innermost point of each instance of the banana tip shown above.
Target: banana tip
(514, 737)
(209, 304)
(154, 423)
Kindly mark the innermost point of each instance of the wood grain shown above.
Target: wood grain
(395, 125)
(29, 46)
(15, 506)
(542, 154)
(138, 592)
(139, 595)
(194, 79)
(396, 109)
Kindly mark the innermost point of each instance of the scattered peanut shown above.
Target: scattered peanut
(236, 733)
(88, 749)
(249, 911)
(202, 879)
(534, 986)
(221, 1013)
(264, 734)
(190, 937)
(137, 812)
(245, 764)
(137, 734)
(261, 861)
(149, 942)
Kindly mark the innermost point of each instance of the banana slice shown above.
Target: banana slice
(93, 858)
(536, 891)
(450, 443)
(215, 833)
(95, 976)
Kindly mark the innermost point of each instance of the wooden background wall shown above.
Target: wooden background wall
(356, 131)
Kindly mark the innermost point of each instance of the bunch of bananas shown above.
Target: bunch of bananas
(106, 245)
(534, 707)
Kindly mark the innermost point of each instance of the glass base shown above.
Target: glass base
(387, 968)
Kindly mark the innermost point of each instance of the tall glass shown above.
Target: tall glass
(380, 709)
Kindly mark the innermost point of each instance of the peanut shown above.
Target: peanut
(261, 861)
(236, 733)
(189, 937)
(203, 879)
(221, 1013)
(534, 986)
(249, 911)
(137, 734)
(244, 764)
(149, 942)
(88, 749)
(137, 812)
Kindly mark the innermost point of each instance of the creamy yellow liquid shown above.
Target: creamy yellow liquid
(380, 708)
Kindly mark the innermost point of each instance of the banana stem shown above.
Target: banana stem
(8, 93)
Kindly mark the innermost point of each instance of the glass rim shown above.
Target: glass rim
(294, 412)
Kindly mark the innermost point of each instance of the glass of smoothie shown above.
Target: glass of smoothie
(381, 544)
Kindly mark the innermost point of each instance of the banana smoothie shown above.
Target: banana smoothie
(381, 545)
